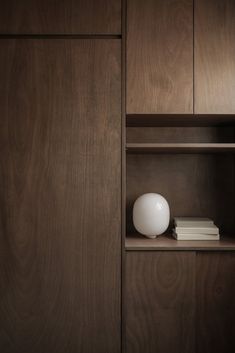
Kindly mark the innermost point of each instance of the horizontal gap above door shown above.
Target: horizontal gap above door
(60, 36)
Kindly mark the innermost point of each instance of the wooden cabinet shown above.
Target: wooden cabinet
(60, 194)
(60, 17)
(159, 56)
(179, 296)
(179, 60)
(180, 301)
(160, 300)
(215, 302)
(214, 57)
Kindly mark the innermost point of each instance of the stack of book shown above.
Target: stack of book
(193, 228)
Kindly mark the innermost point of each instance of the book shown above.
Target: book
(196, 236)
(211, 229)
(192, 222)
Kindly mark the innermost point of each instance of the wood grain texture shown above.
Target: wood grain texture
(215, 302)
(60, 17)
(159, 56)
(214, 56)
(180, 148)
(123, 219)
(195, 185)
(186, 134)
(137, 242)
(60, 198)
(160, 302)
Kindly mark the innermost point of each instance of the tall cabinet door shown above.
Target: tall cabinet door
(214, 57)
(60, 196)
(60, 16)
(159, 56)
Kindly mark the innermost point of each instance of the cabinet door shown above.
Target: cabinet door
(60, 17)
(214, 57)
(160, 296)
(159, 56)
(215, 302)
(60, 196)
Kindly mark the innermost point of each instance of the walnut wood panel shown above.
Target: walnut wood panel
(60, 17)
(214, 56)
(180, 147)
(215, 302)
(159, 56)
(60, 231)
(195, 185)
(160, 302)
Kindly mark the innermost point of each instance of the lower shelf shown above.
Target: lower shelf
(135, 242)
(180, 148)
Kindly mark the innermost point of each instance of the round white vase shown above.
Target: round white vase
(151, 215)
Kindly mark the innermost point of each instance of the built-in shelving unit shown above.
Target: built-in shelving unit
(136, 242)
(180, 143)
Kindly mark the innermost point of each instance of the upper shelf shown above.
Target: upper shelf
(137, 242)
(180, 147)
(142, 120)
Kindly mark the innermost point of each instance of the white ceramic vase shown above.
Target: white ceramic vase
(151, 215)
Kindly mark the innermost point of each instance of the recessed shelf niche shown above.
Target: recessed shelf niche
(191, 166)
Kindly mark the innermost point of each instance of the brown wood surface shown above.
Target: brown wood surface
(159, 56)
(180, 147)
(215, 302)
(141, 120)
(214, 56)
(137, 242)
(178, 135)
(123, 221)
(195, 185)
(160, 302)
(60, 17)
(60, 207)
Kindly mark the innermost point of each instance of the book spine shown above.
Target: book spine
(184, 230)
(193, 224)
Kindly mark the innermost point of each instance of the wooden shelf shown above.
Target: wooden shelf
(141, 120)
(136, 242)
(180, 147)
